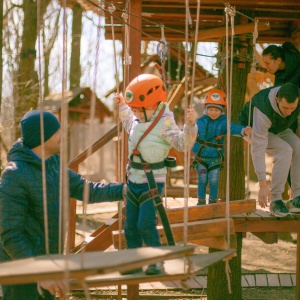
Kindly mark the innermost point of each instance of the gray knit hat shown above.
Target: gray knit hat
(220, 107)
(31, 127)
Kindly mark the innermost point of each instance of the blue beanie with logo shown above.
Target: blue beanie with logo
(31, 127)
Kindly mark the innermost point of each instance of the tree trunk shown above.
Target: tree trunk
(217, 287)
(75, 68)
(27, 77)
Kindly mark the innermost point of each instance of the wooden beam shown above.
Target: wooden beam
(211, 211)
(205, 35)
(195, 231)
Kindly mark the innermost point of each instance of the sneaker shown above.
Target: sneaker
(133, 271)
(201, 202)
(293, 205)
(278, 209)
(155, 269)
(212, 201)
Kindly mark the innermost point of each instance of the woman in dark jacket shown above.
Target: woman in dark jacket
(284, 62)
(22, 232)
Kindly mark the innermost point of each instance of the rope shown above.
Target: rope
(111, 10)
(41, 102)
(186, 102)
(195, 50)
(229, 11)
(253, 67)
(91, 131)
(64, 175)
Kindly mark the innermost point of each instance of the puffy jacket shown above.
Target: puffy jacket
(209, 130)
(157, 143)
(21, 202)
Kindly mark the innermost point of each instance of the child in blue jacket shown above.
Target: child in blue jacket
(209, 148)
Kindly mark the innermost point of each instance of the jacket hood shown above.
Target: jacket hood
(20, 152)
(272, 99)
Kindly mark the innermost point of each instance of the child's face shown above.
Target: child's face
(139, 113)
(213, 113)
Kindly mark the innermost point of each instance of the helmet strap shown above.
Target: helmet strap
(145, 114)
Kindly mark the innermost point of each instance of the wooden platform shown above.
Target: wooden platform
(176, 269)
(86, 264)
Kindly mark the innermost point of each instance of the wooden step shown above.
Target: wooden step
(211, 211)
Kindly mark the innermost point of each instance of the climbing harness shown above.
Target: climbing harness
(204, 144)
(153, 190)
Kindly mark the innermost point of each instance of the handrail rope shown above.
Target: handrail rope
(41, 101)
(186, 102)
(91, 130)
(64, 175)
(253, 66)
(195, 50)
(229, 11)
(112, 9)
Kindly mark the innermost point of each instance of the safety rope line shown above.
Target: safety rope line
(64, 174)
(112, 9)
(186, 104)
(230, 11)
(253, 67)
(195, 51)
(91, 131)
(41, 103)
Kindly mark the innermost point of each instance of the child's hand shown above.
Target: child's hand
(119, 100)
(248, 130)
(191, 116)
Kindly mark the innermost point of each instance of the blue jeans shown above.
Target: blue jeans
(140, 222)
(211, 178)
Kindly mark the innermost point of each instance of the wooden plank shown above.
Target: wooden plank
(273, 280)
(175, 269)
(211, 211)
(250, 279)
(281, 225)
(267, 237)
(202, 280)
(261, 279)
(85, 264)
(244, 282)
(195, 231)
(285, 280)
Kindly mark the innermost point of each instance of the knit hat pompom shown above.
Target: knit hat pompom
(220, 107)
(31, 127)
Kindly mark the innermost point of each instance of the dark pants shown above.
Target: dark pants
(24, 292)
(140, 222)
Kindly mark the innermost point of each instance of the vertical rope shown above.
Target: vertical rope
(253, 66)
(91, 131)
(112, 9)
(64, 175)
(41, 103)
(229, 11)
(186, 152)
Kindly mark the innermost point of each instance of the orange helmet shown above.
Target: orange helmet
(146, 91)
(215, 98)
